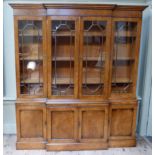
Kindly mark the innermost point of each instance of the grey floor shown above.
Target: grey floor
(143, 148)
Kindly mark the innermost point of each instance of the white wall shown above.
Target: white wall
(9, 58)
(9, 71)
(145, 75)
(9, 54)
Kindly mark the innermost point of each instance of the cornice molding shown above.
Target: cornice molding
(79, 6)
(26, 6)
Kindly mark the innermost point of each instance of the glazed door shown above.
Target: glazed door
(62, 57)
(94, 53)
(30, 56)
(126, 39)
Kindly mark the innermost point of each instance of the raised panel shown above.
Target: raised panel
(62, 125)
(94, 122)
(121, 122)
(31, 122)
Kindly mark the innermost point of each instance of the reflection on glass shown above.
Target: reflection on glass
(63, 42)
(123, 56)
(31, 65)
(30, 57)
(93, 57)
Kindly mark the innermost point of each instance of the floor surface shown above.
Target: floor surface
(143, 148)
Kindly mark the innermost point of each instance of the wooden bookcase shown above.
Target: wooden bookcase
(76, 71)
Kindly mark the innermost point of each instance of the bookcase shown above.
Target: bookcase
(76, 74)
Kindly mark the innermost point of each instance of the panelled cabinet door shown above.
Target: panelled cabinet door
(62, 54)
(30, 55)
(126, 39)
(93, 124)
(122, 124)
(31, 123)
(62, 124)
(94, 51)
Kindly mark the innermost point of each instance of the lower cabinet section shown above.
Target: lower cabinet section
(76, 126)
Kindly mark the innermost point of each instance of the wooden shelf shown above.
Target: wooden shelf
(67, 34)
(32, 58)
(63, 59)
(95, 34)
(32, 81)
(103, 59)
(72, 59)
(92, 81)
(119, 33)
(67, 81)
(64, 81)
(31, 33)
(123, 59)
(125, 34)
(73, 33)
(122, 80)
(94, 59)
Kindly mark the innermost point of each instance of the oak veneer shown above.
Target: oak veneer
(76, 71)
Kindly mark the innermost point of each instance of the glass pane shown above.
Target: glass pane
(123, 56)
(94, 43)
(30, 57)
(63, 47)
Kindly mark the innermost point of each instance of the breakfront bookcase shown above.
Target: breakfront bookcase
(76, 73)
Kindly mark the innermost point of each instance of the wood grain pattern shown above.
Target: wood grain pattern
(58, 129)
(33, 119)
(61, 130)
(122, 120)
(31, 126)
(93, 124)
